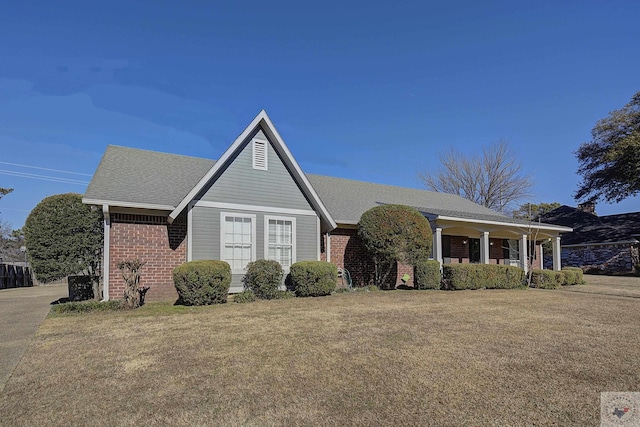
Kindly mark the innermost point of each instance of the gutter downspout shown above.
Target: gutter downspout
(105, 253)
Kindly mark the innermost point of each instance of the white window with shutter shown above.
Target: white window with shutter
(260, 147)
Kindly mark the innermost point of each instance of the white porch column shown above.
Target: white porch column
(105, 252)
(524, 258)
(484, 247)
(437, 245)
(556, 253)
(328, 246)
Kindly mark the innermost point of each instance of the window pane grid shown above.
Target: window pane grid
(238, 241)
(280, 239)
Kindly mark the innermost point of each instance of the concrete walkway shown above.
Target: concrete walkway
(22, 310)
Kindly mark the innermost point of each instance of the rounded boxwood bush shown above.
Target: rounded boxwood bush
(391, 234)
(313, 278)
(202, 282)
(573, 275)
(546, 279)
(263, 278)
(570, 277)
(427, 275)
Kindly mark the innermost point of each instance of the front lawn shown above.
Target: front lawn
(627, 286)
(502, 357)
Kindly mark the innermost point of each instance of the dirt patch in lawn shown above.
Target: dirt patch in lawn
(521, 357)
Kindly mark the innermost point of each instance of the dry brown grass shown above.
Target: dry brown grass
(626, 286)
(514, 357)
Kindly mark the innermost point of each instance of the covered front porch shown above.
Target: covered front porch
(497, 241)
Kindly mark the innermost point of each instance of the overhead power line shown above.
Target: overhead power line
(44, 169)
(43, 177)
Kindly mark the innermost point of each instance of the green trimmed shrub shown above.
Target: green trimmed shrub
(313, 278)
(427, 275)
(478, 276)
(570, 277)
(77, 307)
(515, 275)
(244, 297)
(394, 233)
(574, 274)
(264, 278)
(286, 294)
(547, 279)
(202, 282)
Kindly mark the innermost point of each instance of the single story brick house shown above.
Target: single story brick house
(608, 243)
(255, 202)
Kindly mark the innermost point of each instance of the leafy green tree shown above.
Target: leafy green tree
(5, 191)
(64, 237)
(531, 211)
(610, 163)
(394, 233)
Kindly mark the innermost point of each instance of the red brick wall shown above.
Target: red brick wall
(348, 251)
(496, 251)
(153, 240)
(459, 249)
(401, 270)
(537, 262)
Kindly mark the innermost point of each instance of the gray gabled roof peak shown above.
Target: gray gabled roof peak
(263, 122)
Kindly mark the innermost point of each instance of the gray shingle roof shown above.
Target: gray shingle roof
(140, 176)
(133, 176)
(590, 228)
(347, 200)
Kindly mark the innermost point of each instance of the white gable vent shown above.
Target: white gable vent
(260, 154)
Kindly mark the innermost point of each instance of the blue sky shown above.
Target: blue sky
(362, 90)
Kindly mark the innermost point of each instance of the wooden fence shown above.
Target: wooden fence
(15, 275)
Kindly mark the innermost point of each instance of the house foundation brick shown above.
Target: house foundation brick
(348, 251)
(151, 239)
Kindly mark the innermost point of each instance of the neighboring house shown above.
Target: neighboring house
(608, 243)
(255, 202)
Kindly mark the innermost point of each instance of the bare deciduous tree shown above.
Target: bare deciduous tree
(494, 180)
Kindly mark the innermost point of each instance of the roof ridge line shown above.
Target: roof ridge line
(159, 152)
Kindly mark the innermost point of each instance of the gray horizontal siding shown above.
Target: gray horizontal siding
(242, 184)
(307, 235)
(206, 236)
(205, 233)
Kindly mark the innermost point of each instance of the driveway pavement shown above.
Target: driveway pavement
(22, 310)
